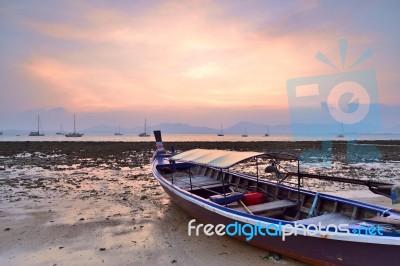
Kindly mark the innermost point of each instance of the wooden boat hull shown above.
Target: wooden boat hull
(312, 250)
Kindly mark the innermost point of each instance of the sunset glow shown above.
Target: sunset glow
(186, 56)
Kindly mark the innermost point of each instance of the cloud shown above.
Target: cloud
(172, 53)
(168, 53)
(85, 88)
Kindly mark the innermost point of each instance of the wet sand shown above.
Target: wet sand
(97, 203)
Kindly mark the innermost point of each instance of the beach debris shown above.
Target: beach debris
(102, 249)
(275, 257)
(7, 229)
(80, 173)
(173, 261)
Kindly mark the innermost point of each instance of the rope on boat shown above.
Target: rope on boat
(385, 211)
(313, 206)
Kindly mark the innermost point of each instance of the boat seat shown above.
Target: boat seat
(269, 206)
(197, 181)
(328, 218)
(227, 198)
(215, 187)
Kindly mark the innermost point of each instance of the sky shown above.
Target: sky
(199, 62)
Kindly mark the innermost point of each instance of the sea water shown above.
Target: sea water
(192, 137)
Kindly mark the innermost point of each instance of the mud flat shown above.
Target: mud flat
(97, 203)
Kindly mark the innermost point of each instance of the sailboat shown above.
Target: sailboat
(61, 132)
(119, 132)
(37, 133)
(74, 134)
(341, 134)
(245, 133)
(221, 133)
(144, 134)
(267, 134)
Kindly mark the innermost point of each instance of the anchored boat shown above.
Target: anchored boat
(74, 134)
(61, 131)
(245, 133)
(37, 133)
(350, 232)
(221, 132)
(118, 133)
(144, 133)
(267, 134)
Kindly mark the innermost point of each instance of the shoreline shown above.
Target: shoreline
(388, 148)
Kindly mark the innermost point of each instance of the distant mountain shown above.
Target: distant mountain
(105, 129)
(168, 128)
(251, 128)
(180, 128)
(58, 110)
(107, 122)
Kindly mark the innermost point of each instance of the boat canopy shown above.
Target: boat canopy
(224, 159)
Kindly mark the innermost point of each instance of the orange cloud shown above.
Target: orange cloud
(173, 54)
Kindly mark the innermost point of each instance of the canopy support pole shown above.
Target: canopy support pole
(257, 173)
(223, 183)
(298, 181)
(172, 171)
(190, 179)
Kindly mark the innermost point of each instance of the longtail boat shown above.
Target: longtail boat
(206, 184)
